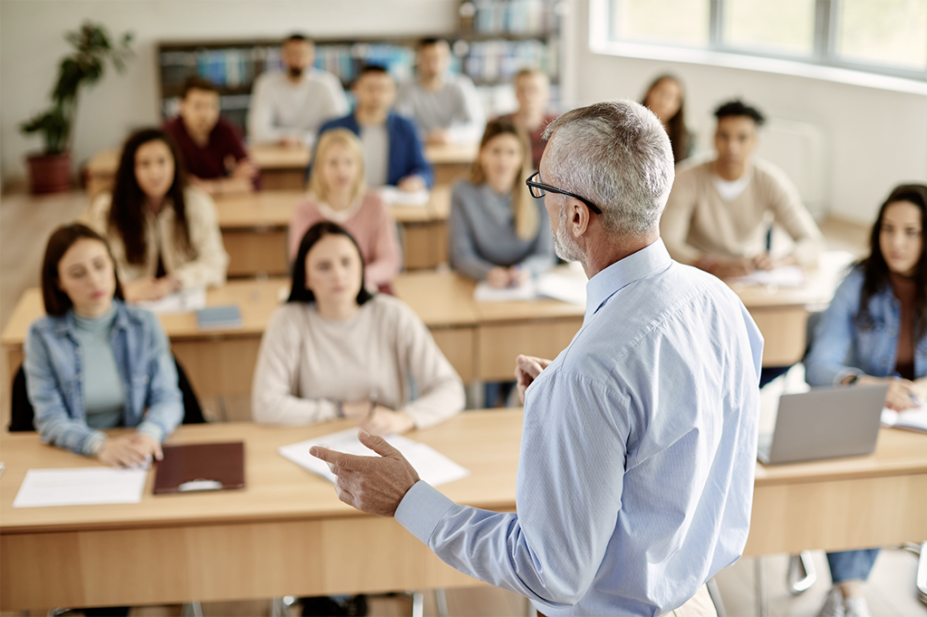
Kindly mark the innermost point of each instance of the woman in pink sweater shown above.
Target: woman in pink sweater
(338, 193)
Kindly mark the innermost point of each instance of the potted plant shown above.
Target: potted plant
(51, 171)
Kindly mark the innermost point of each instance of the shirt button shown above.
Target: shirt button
(891, 333)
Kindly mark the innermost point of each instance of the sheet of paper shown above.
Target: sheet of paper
(786, 276)
(912, 419)
(563, 287)
(394, 197)
(485, 293)
(432, 466)
(192, 299)
(80, 487)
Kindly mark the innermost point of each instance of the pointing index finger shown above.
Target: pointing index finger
(339, 459)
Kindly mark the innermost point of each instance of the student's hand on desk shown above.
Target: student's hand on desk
(244, 169)
(145, 289)
(411, 184)
(901, 392)
(371, 484)
(289, 142)
(518, 276)
(383, 421)
(763, 262)
(527, 369)
(129, 450)
(729, 268)
(438, 137)
(498, 278)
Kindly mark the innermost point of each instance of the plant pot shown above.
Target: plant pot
(49, 173)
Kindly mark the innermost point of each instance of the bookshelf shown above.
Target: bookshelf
(496, 38)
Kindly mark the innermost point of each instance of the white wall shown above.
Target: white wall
(32, 43)
(875, 138)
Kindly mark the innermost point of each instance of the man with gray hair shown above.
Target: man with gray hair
(635, 480)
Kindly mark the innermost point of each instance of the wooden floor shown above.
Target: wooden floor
(26, 222)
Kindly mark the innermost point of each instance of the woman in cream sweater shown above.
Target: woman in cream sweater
(336, 351)
(164, 234)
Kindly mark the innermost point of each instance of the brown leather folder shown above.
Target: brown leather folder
(201, 467)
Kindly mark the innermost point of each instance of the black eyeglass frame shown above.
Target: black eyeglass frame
(552, 189)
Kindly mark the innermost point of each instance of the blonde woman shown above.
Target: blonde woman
(499, 233)
(338, 193)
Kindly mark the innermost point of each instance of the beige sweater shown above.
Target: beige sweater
(307, 364)
(203, 264)
(697, 221)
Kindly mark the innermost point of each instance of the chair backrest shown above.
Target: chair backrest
(22, 414)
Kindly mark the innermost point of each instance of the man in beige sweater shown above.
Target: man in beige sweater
(719, 211)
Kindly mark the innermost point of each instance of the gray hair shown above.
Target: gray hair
(617, 155)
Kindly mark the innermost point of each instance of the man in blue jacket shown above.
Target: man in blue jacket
(392, 151)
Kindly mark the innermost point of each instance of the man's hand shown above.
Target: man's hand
(375, 485)
(527, 369)
(411, 184)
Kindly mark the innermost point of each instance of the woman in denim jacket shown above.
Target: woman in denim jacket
(93, 363)
(875, 332)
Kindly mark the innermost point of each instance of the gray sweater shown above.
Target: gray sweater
(482, 230)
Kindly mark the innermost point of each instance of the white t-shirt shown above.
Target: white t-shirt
(280, 108)
(729, 190)
(375, 141)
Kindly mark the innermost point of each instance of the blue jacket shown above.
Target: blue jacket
(406, 157)
(842, 347)
(54, 378)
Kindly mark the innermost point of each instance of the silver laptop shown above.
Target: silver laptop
(824, 423)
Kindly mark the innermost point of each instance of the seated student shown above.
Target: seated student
(211, 148)
(666, 99)
(875, 332)
(289, 106)
(163, 233)
(392, 151)
(338, 193)
(532, 89)
(93, 363)
(720, 210)
(498, 232)
(445, 108)
(336, 351)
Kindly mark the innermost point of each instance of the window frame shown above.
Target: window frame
(824, 53)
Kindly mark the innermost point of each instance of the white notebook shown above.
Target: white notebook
(432, 466)
(80, 487)
(912, 419)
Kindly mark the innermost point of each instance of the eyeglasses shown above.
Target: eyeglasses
(537, 191)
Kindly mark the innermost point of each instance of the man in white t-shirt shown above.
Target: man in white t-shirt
(289, 106)
(445, 108)
(720, 210)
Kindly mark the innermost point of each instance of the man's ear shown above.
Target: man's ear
(578, 217)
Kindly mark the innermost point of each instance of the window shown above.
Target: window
(879, 36)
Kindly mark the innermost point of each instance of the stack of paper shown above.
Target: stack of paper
(912, 419)
(187, 300)
(432, 466)
(563, 287)
(80, 487)
(395, 197)
(484, 292)
(786, 276)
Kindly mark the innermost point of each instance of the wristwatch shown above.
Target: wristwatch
(853, 379)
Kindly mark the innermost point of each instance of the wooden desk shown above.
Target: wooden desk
(218, 362)
(287, 534)
(451, 162)
(281, 168)
(254, 230)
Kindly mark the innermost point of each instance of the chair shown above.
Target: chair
(22, 414)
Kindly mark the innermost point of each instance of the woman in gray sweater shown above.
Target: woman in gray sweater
(499, 233)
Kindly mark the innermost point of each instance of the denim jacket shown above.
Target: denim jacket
(843, 347)
(54, 378)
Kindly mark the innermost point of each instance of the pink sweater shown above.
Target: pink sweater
(372, 226)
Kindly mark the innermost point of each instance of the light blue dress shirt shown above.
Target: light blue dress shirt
(638, 452)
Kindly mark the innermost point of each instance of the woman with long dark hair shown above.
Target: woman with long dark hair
(335, 350)
(875, 332)
(665, 97)
(163, 233)
(93, 363)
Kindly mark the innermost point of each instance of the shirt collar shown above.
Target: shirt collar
(612, 279)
